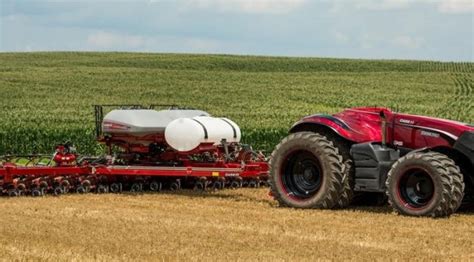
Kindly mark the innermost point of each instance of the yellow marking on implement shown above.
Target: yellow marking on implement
(215, 173)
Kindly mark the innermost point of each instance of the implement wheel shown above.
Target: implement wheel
(155, 186)
(58, 190)
(81, 189)
(306, 171)
(13, 193)
(136, 187)
(176, 185)
(115, 188)
(235, 184)
(36, 192)
(102, 189)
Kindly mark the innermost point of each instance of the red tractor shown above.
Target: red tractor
(424, 165)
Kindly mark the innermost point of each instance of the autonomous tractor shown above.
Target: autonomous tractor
(423, 165)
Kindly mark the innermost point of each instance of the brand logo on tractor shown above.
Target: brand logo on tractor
(430, 134)
(398, 143)
(406, 121)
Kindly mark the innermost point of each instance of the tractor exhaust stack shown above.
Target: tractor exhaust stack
(383, 119)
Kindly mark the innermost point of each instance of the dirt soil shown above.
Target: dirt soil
(243, 224)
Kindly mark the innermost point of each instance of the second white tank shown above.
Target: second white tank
(186, 134)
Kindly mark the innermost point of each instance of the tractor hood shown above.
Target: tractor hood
(363, 124)
(453, 129)
(369, 118)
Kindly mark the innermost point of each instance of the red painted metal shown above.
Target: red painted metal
(363, 124)
(9, 171)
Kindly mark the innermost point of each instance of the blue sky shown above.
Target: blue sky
(389, 29)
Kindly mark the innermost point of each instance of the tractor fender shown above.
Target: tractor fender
(326, 123)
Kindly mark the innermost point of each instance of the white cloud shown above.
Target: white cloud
(367, 41)
(112, 40)
(418, 29)
(375, 5)
(402, 42)
(115, 41)
(203, 45)
(382, 4)
(408, 41)
(443, 6)
(456, 6)
(341, 37)
(249, 6)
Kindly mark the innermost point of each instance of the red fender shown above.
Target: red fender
(354, 125)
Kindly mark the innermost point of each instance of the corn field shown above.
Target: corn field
(47, 98)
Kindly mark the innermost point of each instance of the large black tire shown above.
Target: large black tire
(306, 171)
(425, 184)
(347, 191)
(346, 194)
(468, 199)
(458, 185)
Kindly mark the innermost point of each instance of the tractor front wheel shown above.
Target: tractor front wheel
(425, 184)
(306, 171)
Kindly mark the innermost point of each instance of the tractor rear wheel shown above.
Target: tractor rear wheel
(306, 171)
(425, 184)
(347, 190)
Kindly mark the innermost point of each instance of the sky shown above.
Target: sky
(374, 29)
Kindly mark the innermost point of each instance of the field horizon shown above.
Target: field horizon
(48, 96)
(236, 55)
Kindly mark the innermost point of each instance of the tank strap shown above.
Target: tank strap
(231, 125)
(204, 128)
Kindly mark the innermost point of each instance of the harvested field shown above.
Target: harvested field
(224, 225)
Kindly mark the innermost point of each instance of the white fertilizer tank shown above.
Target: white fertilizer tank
(185, 134)
(184, 130)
